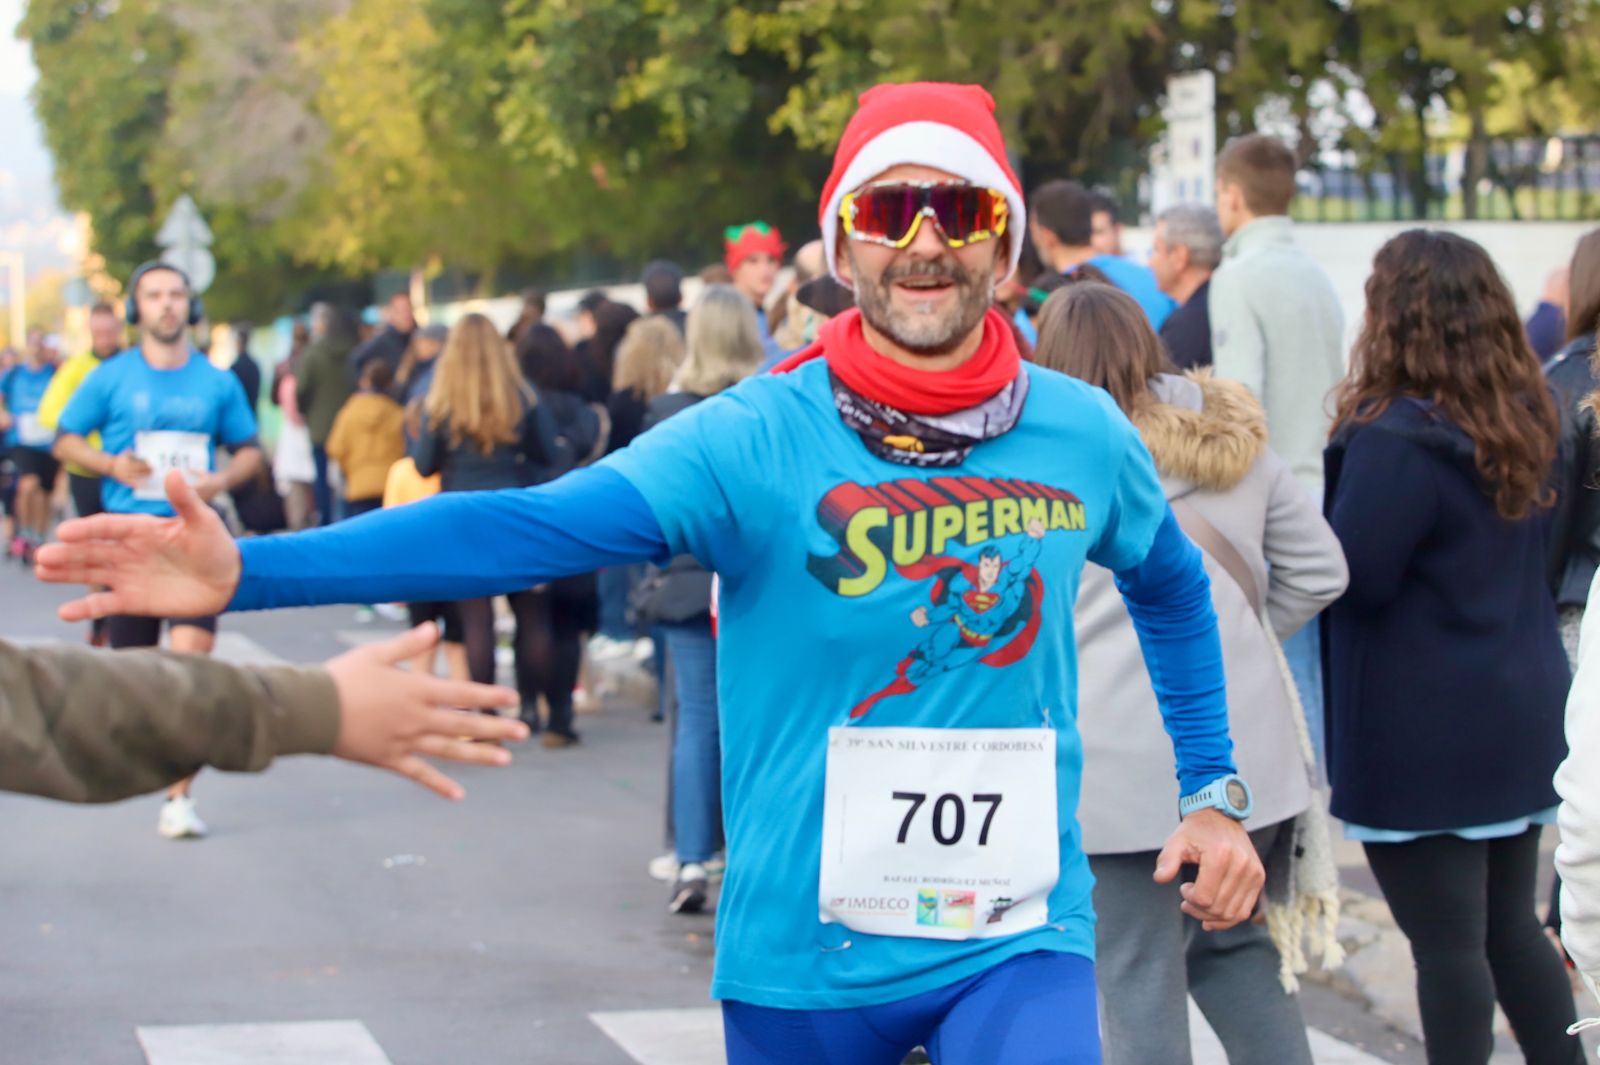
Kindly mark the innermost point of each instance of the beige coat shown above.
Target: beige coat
(1209, 442)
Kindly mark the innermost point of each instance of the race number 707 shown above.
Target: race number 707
(948, 808)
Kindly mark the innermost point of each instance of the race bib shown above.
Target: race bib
(31, 432)
(164, 451)
(939, 833)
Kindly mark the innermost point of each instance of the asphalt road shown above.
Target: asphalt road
(518, 926)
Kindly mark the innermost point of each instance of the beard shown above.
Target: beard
(169, 335)
(921, 328)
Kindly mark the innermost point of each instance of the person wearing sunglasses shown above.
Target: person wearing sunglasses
(898, 518)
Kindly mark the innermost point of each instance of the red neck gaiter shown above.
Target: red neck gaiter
(994, 365)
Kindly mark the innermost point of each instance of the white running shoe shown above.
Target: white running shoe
(179, 821)
(664, 867)
(605, 649)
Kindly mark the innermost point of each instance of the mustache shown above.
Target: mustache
(927, 268)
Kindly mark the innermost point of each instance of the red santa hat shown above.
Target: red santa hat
(951, 127)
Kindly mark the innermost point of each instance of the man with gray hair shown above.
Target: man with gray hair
(1187, 247)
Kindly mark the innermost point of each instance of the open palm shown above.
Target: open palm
(185, 566)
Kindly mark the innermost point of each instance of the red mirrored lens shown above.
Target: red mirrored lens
(887, 211)
(964, 211)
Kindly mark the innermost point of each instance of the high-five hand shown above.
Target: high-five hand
(185, 566)
(389, 717)
(1230, 879)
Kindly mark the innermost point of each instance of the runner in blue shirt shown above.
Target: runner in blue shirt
(898, 518)
(161, 407)
(28, 442)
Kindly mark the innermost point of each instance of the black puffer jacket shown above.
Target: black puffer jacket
(1575, 525)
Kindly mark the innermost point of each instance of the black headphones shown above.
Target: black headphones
(197, 311)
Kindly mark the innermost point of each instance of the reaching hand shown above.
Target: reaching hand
(1230, 877)
(130, 469)
(919, 617)
(389, 716)
(187, 566)
(1036, 529)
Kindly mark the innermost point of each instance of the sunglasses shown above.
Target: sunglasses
(891, 213)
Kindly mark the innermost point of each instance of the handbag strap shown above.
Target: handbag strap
(1209, 539)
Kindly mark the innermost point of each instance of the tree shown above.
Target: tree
(105, 71)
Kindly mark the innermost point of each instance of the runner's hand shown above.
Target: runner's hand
(186, 566)
(389, 716)
(130, 469)
(5, 422)
(1230, 877)
(208, 486)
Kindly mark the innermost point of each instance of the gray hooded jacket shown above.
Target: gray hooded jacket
(1209, 442)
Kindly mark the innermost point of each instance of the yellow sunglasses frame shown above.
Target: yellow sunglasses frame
(847, 214)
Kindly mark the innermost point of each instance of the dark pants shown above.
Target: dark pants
(322, 490)
(129, 630)
(1467, 908)
(85, 492)
(354, 508)
(548, 648)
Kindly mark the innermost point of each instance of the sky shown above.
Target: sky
(30, 218)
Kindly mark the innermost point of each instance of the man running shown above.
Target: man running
(914, 876)
(160, 407)
(22, 388)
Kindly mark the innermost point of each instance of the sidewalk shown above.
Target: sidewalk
(1378, 970)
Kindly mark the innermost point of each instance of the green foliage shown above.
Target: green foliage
(105, 70)
(327, 137)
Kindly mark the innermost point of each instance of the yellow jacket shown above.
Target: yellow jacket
(368, 437)
(62, 387)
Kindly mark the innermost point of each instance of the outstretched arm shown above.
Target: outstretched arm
(453, 546)
(93, 726)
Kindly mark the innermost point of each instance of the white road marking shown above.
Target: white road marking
(666, 1037)
(241, 650)
(694, 1037)
(299, 1043)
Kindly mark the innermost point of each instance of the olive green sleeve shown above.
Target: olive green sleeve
(97, 726)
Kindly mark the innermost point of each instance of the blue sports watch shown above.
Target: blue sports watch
(1230, 794)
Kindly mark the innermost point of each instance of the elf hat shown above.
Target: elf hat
(937, 124)
(742, 241)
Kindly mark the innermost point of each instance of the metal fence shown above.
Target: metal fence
(1526, 179)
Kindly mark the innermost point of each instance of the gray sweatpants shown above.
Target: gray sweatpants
(1150, 957)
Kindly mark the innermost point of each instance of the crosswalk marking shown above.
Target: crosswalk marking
(241, 650)
(694, 1037)
(297, 1043)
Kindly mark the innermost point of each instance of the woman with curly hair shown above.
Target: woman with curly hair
(1446, 675)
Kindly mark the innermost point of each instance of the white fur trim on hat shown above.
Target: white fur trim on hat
(926, 144)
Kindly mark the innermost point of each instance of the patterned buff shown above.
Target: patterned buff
(928, 440)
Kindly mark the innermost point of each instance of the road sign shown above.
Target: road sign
(185, 241)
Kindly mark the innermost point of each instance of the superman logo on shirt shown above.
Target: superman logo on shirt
(983, 607)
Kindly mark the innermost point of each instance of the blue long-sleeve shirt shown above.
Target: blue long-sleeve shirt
(837, 572)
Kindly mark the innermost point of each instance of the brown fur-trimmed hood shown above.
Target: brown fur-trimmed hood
(1202, 430)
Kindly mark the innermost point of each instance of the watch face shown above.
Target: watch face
(1237, 797)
